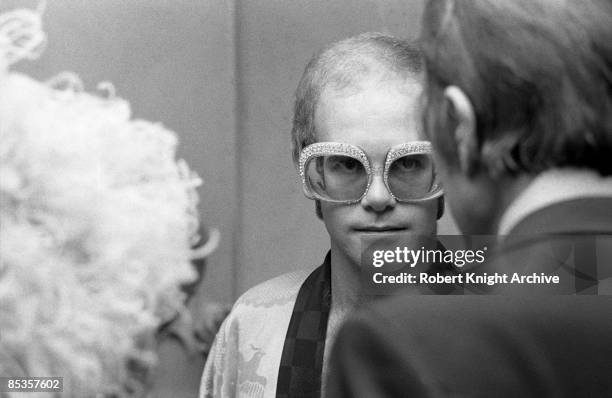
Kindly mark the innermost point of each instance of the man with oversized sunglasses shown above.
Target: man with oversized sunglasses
(359, 150)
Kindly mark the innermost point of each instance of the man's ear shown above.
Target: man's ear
(461, 109)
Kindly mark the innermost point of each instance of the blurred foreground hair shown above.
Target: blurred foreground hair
(97, 222)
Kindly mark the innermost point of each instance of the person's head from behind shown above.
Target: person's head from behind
(515, 88)
(358, 145)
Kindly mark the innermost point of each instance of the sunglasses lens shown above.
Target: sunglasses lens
(412, 177)
(336, 177)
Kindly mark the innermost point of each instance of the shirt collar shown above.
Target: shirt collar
(554, 186)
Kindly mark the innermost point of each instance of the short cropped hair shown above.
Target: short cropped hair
(538, 73)
(343, 65)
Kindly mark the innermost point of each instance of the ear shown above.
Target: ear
(466, 140)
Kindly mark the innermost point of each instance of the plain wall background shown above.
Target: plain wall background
(222, 75)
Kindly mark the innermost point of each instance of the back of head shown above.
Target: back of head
(343, 65)
(538, 74)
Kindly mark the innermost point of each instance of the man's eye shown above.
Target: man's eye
(343, 163)
(409, 163)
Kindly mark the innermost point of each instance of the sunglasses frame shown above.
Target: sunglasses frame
(340, 148)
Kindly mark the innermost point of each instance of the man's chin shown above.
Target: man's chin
(347, 252)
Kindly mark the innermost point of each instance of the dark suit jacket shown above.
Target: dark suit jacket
(529, 344)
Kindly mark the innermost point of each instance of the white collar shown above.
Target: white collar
(553, 186)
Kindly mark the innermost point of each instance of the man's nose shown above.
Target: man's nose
(378, 197)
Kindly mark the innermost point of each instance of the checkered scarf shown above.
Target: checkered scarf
(302, 358)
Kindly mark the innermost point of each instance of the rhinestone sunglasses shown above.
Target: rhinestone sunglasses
(342, 173)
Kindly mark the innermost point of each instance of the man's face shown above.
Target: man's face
(375, 117)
